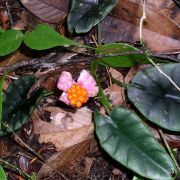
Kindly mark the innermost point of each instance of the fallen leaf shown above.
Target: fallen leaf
(62, 120)
(114, 94)
(87, 166)
(123, 25)
(4, 19)
(116, 74)
(65, 128)
(64, 157)
(63, 140)
(51, 11)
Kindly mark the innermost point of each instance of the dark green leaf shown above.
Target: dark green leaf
(45, 37)
(86, 14)
(16, 107)
(125, 138)
(10, 41)
(93, 68)
(158, 100)
(2, 173)
(123, 60)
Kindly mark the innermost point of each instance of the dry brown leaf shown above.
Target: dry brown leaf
(167, 7)
(62, 120)
(116, 74)
(13, 58)
(114, 94)
(51, 11)
(160, 33)
(4, 19)
(63, 140)
(87, 166)
(64, 157)
(65, 128)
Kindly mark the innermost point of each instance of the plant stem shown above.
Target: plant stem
(169, 150)
(14, 167)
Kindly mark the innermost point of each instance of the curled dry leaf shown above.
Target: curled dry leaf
(66, 128)
(51, 11)
(123, 25)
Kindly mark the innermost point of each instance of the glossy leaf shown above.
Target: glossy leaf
(45, 37)
(86, 14)
(123, 60)
(16, 107)
(125, 138)
(2, 173)
(10, 40)
(158, 100)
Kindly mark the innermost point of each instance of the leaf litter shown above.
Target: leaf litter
(65, 137)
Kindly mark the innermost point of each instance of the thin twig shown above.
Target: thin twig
(169, 149)
(147, 55)
(36, 154)
(14, 167)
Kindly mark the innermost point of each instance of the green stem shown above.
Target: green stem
(169, 150)
(138, 86)
(14, 167)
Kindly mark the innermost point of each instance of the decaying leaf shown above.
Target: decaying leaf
(116, 74)
(123, 25)
(51, 11)
(64, 157)
(62, 120)
(65, 128)
(114, 94)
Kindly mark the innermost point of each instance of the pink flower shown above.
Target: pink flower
(84, 88)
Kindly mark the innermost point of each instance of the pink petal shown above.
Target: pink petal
(65, 81)
(64, 98)
(86, 80)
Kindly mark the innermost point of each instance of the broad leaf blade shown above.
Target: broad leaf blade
(10, 40)
(45, 37)
(16, 107)
(123, 60)
(2, 173)
(83, 15)
(158, 100)
(125, 138)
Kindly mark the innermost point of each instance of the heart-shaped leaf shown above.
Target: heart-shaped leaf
(157, 99)
(10, 40)
(125, 138)
(2, 173)
(85, 14)
(121, 60)
(45, 37)
(16, 107)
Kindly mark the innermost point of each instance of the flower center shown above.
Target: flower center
(77, 95)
